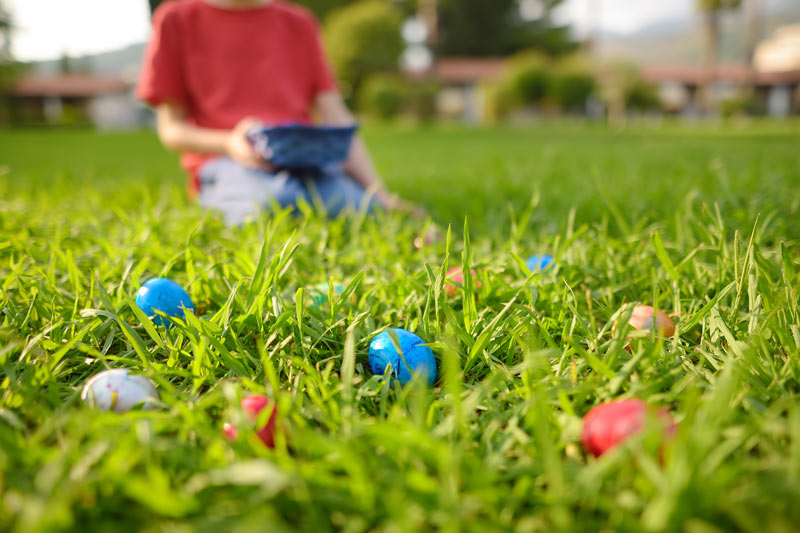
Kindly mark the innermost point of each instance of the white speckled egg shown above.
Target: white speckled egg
(119, 391)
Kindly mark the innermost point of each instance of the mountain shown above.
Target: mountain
(123, 62)
(680, 41)
(673, 41)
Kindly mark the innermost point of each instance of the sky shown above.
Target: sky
(621, 16)
(49, 28)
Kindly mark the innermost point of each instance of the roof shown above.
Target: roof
(693, 75)
(68, 85)
(467, 70)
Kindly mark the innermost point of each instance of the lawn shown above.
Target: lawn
(701, 222)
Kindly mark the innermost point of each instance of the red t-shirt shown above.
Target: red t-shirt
(223, 65)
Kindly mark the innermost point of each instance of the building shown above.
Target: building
(777, 93)
(774, 83)
(463, 93)
(464, 88)
(103, 101)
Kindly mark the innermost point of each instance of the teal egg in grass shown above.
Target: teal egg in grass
(319, 293)
(416, 357)
(540, 263)
(162, 294)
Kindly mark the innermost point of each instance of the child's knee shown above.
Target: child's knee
(240, 192)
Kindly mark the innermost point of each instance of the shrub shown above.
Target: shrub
(742, 104)
(363, 38)
(382, 96)
(533, 79)
(571, 85)
(641, 96)
(526, 81)
(422, 100)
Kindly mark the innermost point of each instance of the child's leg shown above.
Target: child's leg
(240, 192)
(337, 191)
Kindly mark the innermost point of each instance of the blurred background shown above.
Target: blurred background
(465, 61)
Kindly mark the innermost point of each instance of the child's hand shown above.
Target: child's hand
(239, 148)
(393, 202)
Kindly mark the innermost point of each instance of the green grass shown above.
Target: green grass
(699, 222)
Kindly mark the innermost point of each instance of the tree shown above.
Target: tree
(711, 11)
(362, 39)
(154, 4)
(72, 65)
(321, 8)
(5, 34)
(498, 28)
(10, 69)
(754, 26)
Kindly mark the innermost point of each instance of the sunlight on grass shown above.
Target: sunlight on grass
(702, 225)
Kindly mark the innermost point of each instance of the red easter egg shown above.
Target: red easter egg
(229, 430)
(456, 276)
(253, 405)
(611, 423)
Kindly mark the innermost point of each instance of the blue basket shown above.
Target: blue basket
(298, 146)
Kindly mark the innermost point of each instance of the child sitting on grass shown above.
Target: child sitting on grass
(214, 69)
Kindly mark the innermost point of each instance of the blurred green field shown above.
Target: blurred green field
(701, 222)
(638, 174)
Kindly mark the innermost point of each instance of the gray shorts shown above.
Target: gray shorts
(240, 192)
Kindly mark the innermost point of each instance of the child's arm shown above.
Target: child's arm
(178, 135)
(333, 111)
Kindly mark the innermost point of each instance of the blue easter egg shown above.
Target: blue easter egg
(542, 262)
(416, 358)
(162, 294)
